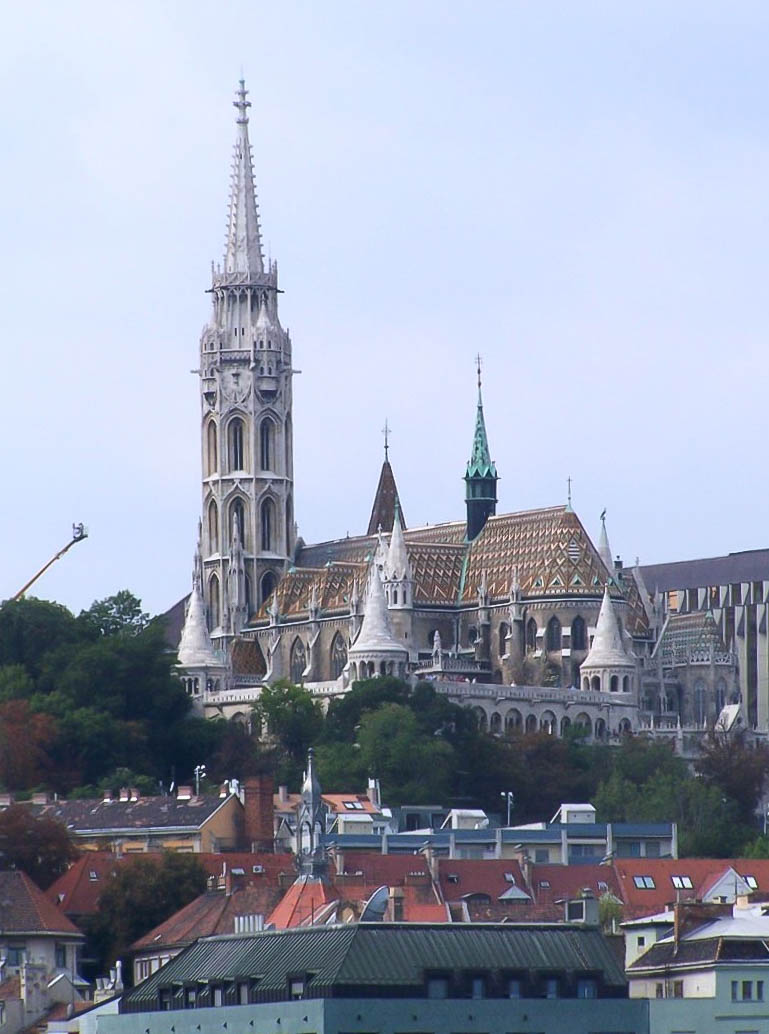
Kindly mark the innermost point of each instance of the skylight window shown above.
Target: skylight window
(93, 875)
(644, 882)
(682, 882)
(602, 886)
(545, 884)
(509, 878)
(751, 881)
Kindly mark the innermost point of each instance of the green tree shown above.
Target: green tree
(144, 892)
(28, 628)
(737, 768)
(38, 845)
(120, 614)
(292, 720)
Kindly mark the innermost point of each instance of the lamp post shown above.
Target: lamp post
(510, 798)
(200, 773)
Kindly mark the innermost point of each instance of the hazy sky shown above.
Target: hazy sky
(579, 191)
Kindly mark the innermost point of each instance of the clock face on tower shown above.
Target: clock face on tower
(236, 385)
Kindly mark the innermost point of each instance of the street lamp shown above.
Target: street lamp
(200, 773)
(510, 798)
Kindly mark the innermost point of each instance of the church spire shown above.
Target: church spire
(481, 473)
(604, 549)
(386, 498)
(243, 248)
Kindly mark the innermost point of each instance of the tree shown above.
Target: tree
(38, 845)
(120, 614)
(293, 720)
(736, 768)
(28, 628)
(144, 892)
(26, 740)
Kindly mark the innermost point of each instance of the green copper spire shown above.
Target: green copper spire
(480, 475)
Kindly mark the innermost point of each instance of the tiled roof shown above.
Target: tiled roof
(556, 882)
(748, 566)
(702, 873)
(685, 632)
(77, 891)
(301, 902)
(212, 913)
(173, 623)
(549, 548)
(463, 876)
(88, 816)
(380, 869)
(26, 909)
(383, 510)
(336, 803)
(667, 954)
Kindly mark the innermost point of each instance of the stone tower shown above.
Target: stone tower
(245, 394)
(480, 476)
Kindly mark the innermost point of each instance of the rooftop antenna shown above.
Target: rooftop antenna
(79, 532)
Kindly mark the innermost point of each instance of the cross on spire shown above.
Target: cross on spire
(386, 433)
(568, 491)
(478, 365)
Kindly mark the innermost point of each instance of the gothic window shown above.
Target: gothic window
(248, 594)
(236, 445)
(268, 524)
(553, 634)
(338, 656)
(578, 636)
(699, 702)
(212, 459)
(267, 444)
(214, 604)
(720, 695)
(238, 516)
(269, 581)
(504, 631)
(213, 527)
(298, 661)
(531, 634)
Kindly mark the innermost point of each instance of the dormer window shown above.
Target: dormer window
(682, 882)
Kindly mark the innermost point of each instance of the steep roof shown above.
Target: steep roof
(607, 649)
(375, 634)
(195, 647)
(385, 500)
(461, 877)
(306, 896)
(683, 633)
(701, 873)
(24, 908)
(381, 955)
(549, 547)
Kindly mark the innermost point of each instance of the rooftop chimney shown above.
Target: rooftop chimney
(124, 795)
(184, 793)
(259, 824)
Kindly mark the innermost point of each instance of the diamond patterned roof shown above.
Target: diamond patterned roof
(549, 548)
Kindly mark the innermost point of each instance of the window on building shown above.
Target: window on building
(268, 524)
(682, 882)
(267, 444)
(644, 882)
(751, 881)
(514, 988)
(238, 518)
(747, 990)
(61, 956)
(212, 451)
(14, 954)
(641, 942)
(298, 661)
(759, 990)
(478, 988)
(236, 444)
(504, 632)
(578, 634)
(213, 527)
(531, 634)
(587, 988)
(437, 987)
(191, 998)
(552, 987)
(553, 634)
(735, 990)
(659, 991)
(338, 655)
(678, 988)
(268, 583)
(652, 848)
(296, 987)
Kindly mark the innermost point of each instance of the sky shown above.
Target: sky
(578, 192)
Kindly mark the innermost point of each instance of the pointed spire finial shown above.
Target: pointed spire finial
(386, 433)
(478, 365)
(242, 104)
(243, 249)
(568, 494)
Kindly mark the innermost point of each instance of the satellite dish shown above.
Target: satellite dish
(374, 909)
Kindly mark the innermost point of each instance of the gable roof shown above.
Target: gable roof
(383, 510)
(683, 633)
(461, 877)
(550, 883)
(747, 566)
(25, 908)
(147, 813)
(702, 873)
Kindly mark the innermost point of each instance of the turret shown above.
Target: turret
(376, 651)
(480, 476)
(399, 585)
(608, 668)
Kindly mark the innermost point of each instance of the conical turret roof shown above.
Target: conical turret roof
(385, 501)
(195, 649)
(397, 566)
(375, 634)
(608, 650)
(480, 465)
(604, 549)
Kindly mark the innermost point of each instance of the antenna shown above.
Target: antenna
(374, 909)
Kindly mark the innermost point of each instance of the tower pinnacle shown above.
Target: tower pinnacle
(481, 473)
(243, 248)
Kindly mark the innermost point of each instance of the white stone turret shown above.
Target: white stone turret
(376, 651)
(201, 667)
(608, 667)
(245, 386)
(399, 585)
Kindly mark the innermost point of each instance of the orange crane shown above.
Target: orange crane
(79, 532)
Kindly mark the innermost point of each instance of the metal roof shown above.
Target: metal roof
(380, 955)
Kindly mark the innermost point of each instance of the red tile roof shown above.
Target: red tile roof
(26, 909)
(301, 902)
(459, 877)
(702, 872)
(551, 883)
(380, 869)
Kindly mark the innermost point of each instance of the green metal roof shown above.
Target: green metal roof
(380, 954)
(480, 464)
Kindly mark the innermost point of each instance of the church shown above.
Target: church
(519, 616)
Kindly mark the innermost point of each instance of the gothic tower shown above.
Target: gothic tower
(245, 392)
(480, 476)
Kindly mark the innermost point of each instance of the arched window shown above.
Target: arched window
(267, 588)
(614, 684)
(595, 683)
(212, 452)
(298, 661)
(214, 608)
(531, 723)
(213, 527)
(553, 635)
(578, 636)
(699, 702)
(531, 634)
(268, 524)
(495, 725)
(513, 720)
(236, 444)
(267, 444)
(248, 594)
(238, 517)
(625, 683)
(504, 632)
(338, 656)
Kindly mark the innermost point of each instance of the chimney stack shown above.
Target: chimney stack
(258, 812)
